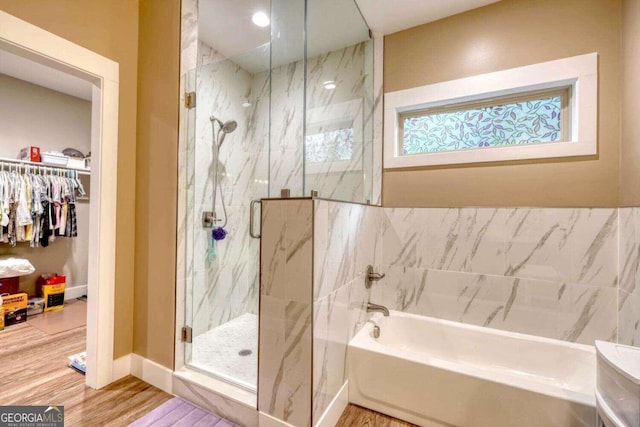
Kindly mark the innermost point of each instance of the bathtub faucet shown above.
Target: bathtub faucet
(371, 308)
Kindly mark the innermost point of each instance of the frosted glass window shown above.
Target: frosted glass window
(524, 119)
(331, 146)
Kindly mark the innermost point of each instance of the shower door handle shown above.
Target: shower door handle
(252, 212)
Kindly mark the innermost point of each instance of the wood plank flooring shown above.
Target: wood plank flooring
(362, 417)
(34, 371)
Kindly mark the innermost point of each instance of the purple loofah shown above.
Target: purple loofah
(218, 233)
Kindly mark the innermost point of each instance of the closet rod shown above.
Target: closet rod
(81, 171)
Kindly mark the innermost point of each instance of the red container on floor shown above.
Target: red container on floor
(9, 285)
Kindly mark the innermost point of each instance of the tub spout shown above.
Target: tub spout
(375, 308)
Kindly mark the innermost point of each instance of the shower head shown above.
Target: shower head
(226, 127)
(229, 126)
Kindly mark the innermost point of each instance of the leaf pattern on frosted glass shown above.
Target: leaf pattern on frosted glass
(329, 146)
(514, 123)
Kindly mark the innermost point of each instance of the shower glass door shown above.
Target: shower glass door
(273, 110)
(228, 167)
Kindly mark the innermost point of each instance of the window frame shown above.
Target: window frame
(578, 73)
(564, 93)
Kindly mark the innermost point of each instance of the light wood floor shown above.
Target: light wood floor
(34, 371)
(362, 417)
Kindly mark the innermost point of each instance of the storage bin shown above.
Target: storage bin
(54, 159)
(9, 285)
(35, 306)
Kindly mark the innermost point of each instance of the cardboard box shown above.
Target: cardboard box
(14, 317)
(15, 308)
(31, 154)
(14, 302)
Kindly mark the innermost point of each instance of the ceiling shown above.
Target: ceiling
(25, 69)
(390, 16)
(226, 25)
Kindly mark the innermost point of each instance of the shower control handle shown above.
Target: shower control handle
(252, 212)
(208, 219)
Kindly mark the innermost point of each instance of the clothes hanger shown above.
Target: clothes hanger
(80, 186)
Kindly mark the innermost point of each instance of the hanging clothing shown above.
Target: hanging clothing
(36, 207)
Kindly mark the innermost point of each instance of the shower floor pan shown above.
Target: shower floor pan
(230, 351)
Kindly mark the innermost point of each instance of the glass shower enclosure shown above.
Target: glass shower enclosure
(284, 102)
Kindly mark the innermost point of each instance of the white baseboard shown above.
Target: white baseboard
(152, 373)
(336, 408)
(121, 367)
(73, 292)
(266, 420)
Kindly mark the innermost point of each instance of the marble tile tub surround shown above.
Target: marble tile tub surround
(629, 270)
(313, 298)
(346, 239)
(284, 375)
(547, 272)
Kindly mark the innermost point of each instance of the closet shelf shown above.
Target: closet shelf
(81, 171)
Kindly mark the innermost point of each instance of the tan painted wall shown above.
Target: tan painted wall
(508, 34)
(110, 28)
(157, 166)
(630, 159)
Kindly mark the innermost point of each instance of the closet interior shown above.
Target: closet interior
(45, 144)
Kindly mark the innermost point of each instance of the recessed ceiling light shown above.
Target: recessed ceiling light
(246, 104)
(260, 19)
(329, 85)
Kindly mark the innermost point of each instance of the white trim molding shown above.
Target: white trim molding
(579, 72)
(121, 367)
(152, 373)
(27, 40)
(73, 292)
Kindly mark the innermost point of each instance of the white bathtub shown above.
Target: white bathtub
(435, 372)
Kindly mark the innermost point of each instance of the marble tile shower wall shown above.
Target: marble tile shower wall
(629, 268)
(346, 239)
(349, 105)
(326, 110)
(252, 162)
(546, 272)
(226, 286)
